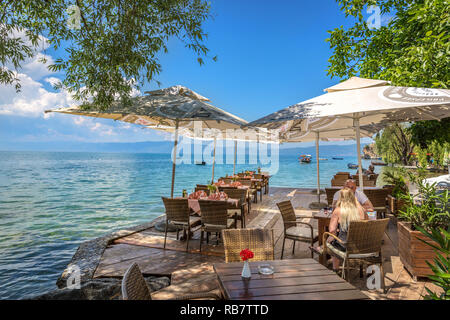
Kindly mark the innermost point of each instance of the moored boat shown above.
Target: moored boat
(304, 158)
(379, 163)
(337, 158)
(352, 166)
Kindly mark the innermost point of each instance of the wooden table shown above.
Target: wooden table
(293, 279)
(323, 221)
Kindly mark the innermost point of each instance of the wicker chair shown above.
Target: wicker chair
(251, 194)
(239, 194)
(363, 244)
(134, 287)
(260, 241)
(367, 181)
(266, 183)
(338, 181)
(330, 194)
(259, 185)
(202, 187)
(214, 218)
(378, 197)
(178, 214)
(291, 229)
(227, 180)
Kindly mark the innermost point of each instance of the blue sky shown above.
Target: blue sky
(271, 54)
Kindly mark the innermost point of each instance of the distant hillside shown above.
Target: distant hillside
(135, 147)
(157, 147)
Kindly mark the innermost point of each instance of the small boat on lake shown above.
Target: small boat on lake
(322, 159)
(352, 166)
(337, 158)
(304, 158)
(379, 163)
(200, 163)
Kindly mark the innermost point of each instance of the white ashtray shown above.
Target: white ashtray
(265, 269)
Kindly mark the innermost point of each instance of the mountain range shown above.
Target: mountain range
(162, 147)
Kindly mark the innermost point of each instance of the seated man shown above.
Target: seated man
(369, 171)
(360, 196)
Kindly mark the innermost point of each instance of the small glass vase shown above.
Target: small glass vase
(246, 274)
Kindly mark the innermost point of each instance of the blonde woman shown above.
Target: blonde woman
(347, 209)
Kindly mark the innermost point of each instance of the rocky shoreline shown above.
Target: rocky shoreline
(85, 261)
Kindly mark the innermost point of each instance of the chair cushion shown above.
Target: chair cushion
(301, 232)
(230, 223)
(341, 254)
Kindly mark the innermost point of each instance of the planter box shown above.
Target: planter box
(413, 252)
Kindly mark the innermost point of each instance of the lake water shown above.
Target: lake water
(50, 202)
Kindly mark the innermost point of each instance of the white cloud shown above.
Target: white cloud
(35, 68)
(36, 96)
(33, 99)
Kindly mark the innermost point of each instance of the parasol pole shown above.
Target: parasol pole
(235, 151)
(214, 161)
(318, 171)
(174, 157)
(358, 150)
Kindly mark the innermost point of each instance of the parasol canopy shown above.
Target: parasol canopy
(167, 110)
(363, 105)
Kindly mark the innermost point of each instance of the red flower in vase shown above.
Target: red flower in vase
(246, 254)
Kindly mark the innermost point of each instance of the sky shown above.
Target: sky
(271, 55)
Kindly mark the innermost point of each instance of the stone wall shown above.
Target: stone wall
(86, 259)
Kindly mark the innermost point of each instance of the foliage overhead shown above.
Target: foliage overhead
(423, 133)
(411, 50)
(394, 144)
(111, 46)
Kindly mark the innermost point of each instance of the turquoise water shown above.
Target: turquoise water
(50, 202)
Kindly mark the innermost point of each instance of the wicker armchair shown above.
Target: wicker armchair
(363, 244)
(134, 287)
(214, 218)
(378, 198)
(251, 194)
(330, 194)
(303, 233)
(239, 194)
(260, 241)
(178, 214)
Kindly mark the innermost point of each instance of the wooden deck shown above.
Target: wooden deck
(192, 272)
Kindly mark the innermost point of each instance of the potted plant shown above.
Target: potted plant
(394, 179)
(427, 210)
(440, 265)
(212, 188)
